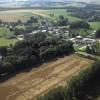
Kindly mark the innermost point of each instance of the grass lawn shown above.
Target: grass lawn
(7, 42)
(95, 25)
(4, 32)
(20, 27)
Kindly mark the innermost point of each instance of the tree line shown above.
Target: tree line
(89, 13)
(35, 49)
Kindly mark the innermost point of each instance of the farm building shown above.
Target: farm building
(88, 41)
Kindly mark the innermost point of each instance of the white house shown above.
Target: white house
(88, 41)
(20, 37)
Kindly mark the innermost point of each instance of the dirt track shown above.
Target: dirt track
(29, 85)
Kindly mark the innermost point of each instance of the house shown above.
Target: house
(50, 31)
(66, 34)
(72, 39)
(20, 37)
(43, 31)
(79, 37)
(88, 41)
(56, 30)
(50, 28)
(34, 32)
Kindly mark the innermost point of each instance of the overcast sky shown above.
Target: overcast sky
(47, 0)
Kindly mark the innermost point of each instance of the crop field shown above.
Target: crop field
(20, 14)
(30, 84)
(25, 14)
(13, 18)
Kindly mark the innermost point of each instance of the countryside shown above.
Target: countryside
(49, 50)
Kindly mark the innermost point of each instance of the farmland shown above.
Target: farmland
(24, 14)
(9, 16)
(29, 85)
(43, 36)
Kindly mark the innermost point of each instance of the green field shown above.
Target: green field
(7, 42)
(95, 25)
(20, 27)
(58, 12)
(5, 31)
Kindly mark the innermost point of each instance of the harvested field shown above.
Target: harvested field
(13, 18)
(23, 15)
(29, 85)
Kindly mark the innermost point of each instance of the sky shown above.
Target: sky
(45, 0)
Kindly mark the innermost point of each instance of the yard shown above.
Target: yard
(5, 31)
(7, 42)
(95, 25)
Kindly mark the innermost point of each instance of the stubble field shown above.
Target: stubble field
(29, 85)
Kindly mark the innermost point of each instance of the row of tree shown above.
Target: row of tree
(89, 13)
(35, 49)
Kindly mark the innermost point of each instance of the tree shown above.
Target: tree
(97, 33)
(62, 21)
(3, 50)
(79, 24)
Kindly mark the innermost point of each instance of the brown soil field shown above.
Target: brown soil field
(14, 15)
(29, 85)
(13, 18)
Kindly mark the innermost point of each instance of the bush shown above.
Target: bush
(79, 24)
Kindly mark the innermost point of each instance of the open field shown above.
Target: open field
(29, 85)
(25, 14)
(20, 14)
(7, 42)
(95, 25)
(58, 12)
(5, 31)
